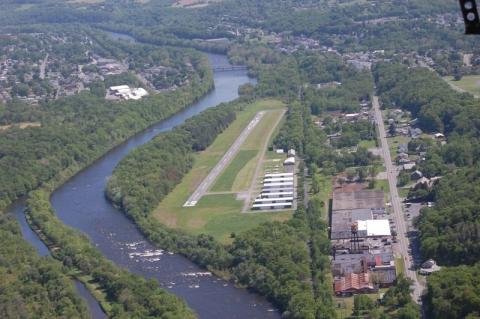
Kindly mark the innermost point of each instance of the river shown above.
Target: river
(81, 204)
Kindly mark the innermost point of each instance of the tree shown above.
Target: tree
(351, 174)
(392, 129)
(362, 304)
(362, 173)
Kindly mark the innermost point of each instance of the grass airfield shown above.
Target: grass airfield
(219, 212)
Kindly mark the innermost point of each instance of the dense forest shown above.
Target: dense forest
(453, 293)
(73, 132)
(341, 25)
(448, 231)
(76, 130)
(287, 262)
(149, 173)
(32, 286)
(126, 295)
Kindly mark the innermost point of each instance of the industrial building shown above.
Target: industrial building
(358, 200)
(126, 93)
(361, 238)
(353, 284)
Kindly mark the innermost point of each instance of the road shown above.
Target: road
(258, 168)
(402, 236)
(42, 68)
(222, 164)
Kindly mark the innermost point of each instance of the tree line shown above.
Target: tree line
(127, 295)
(76, 130)
(146, 175)
(286, 262)
(448, 232)
(33, 286)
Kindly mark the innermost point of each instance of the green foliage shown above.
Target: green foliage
(454, 293)
(353, 133)
(144, 177)
(32, 286)
(449, 231)
(273, 259)
(130, 296)
(403, 178)
(362, 304)
(75, 131)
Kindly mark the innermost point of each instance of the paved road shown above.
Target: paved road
(42, 68)
(402, 237)
(222, 164)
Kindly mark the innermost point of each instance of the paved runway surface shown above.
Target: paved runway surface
(222, 164)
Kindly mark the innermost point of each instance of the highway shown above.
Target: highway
(402, 236)
(222, 164)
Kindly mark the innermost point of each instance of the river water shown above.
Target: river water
(80, 203)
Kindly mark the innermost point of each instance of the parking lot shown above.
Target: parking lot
(412, 211)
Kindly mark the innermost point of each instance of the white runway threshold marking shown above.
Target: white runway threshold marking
(221, 165)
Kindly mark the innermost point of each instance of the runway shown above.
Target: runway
(224, 161)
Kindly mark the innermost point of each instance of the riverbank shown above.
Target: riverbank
(80, 203)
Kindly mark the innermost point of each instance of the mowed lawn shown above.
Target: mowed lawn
(469, 83)
(256, 141)
(219, 215)
(226, 180)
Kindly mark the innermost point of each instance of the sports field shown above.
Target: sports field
(219, 213)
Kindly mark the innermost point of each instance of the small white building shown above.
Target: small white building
(289, 161)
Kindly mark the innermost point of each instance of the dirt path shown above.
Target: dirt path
(263, 150)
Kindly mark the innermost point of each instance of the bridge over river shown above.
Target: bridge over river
(227, 68)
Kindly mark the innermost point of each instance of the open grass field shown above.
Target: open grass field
(219, 214)
(344, 305)
(238, 176)
(226, 180)
(367, 144)
(469, 83)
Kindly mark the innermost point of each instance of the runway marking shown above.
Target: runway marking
(222, 163)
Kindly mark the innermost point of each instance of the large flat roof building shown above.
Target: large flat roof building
(358, 200)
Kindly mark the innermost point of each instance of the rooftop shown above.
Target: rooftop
(375, 227)
(358, 200)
